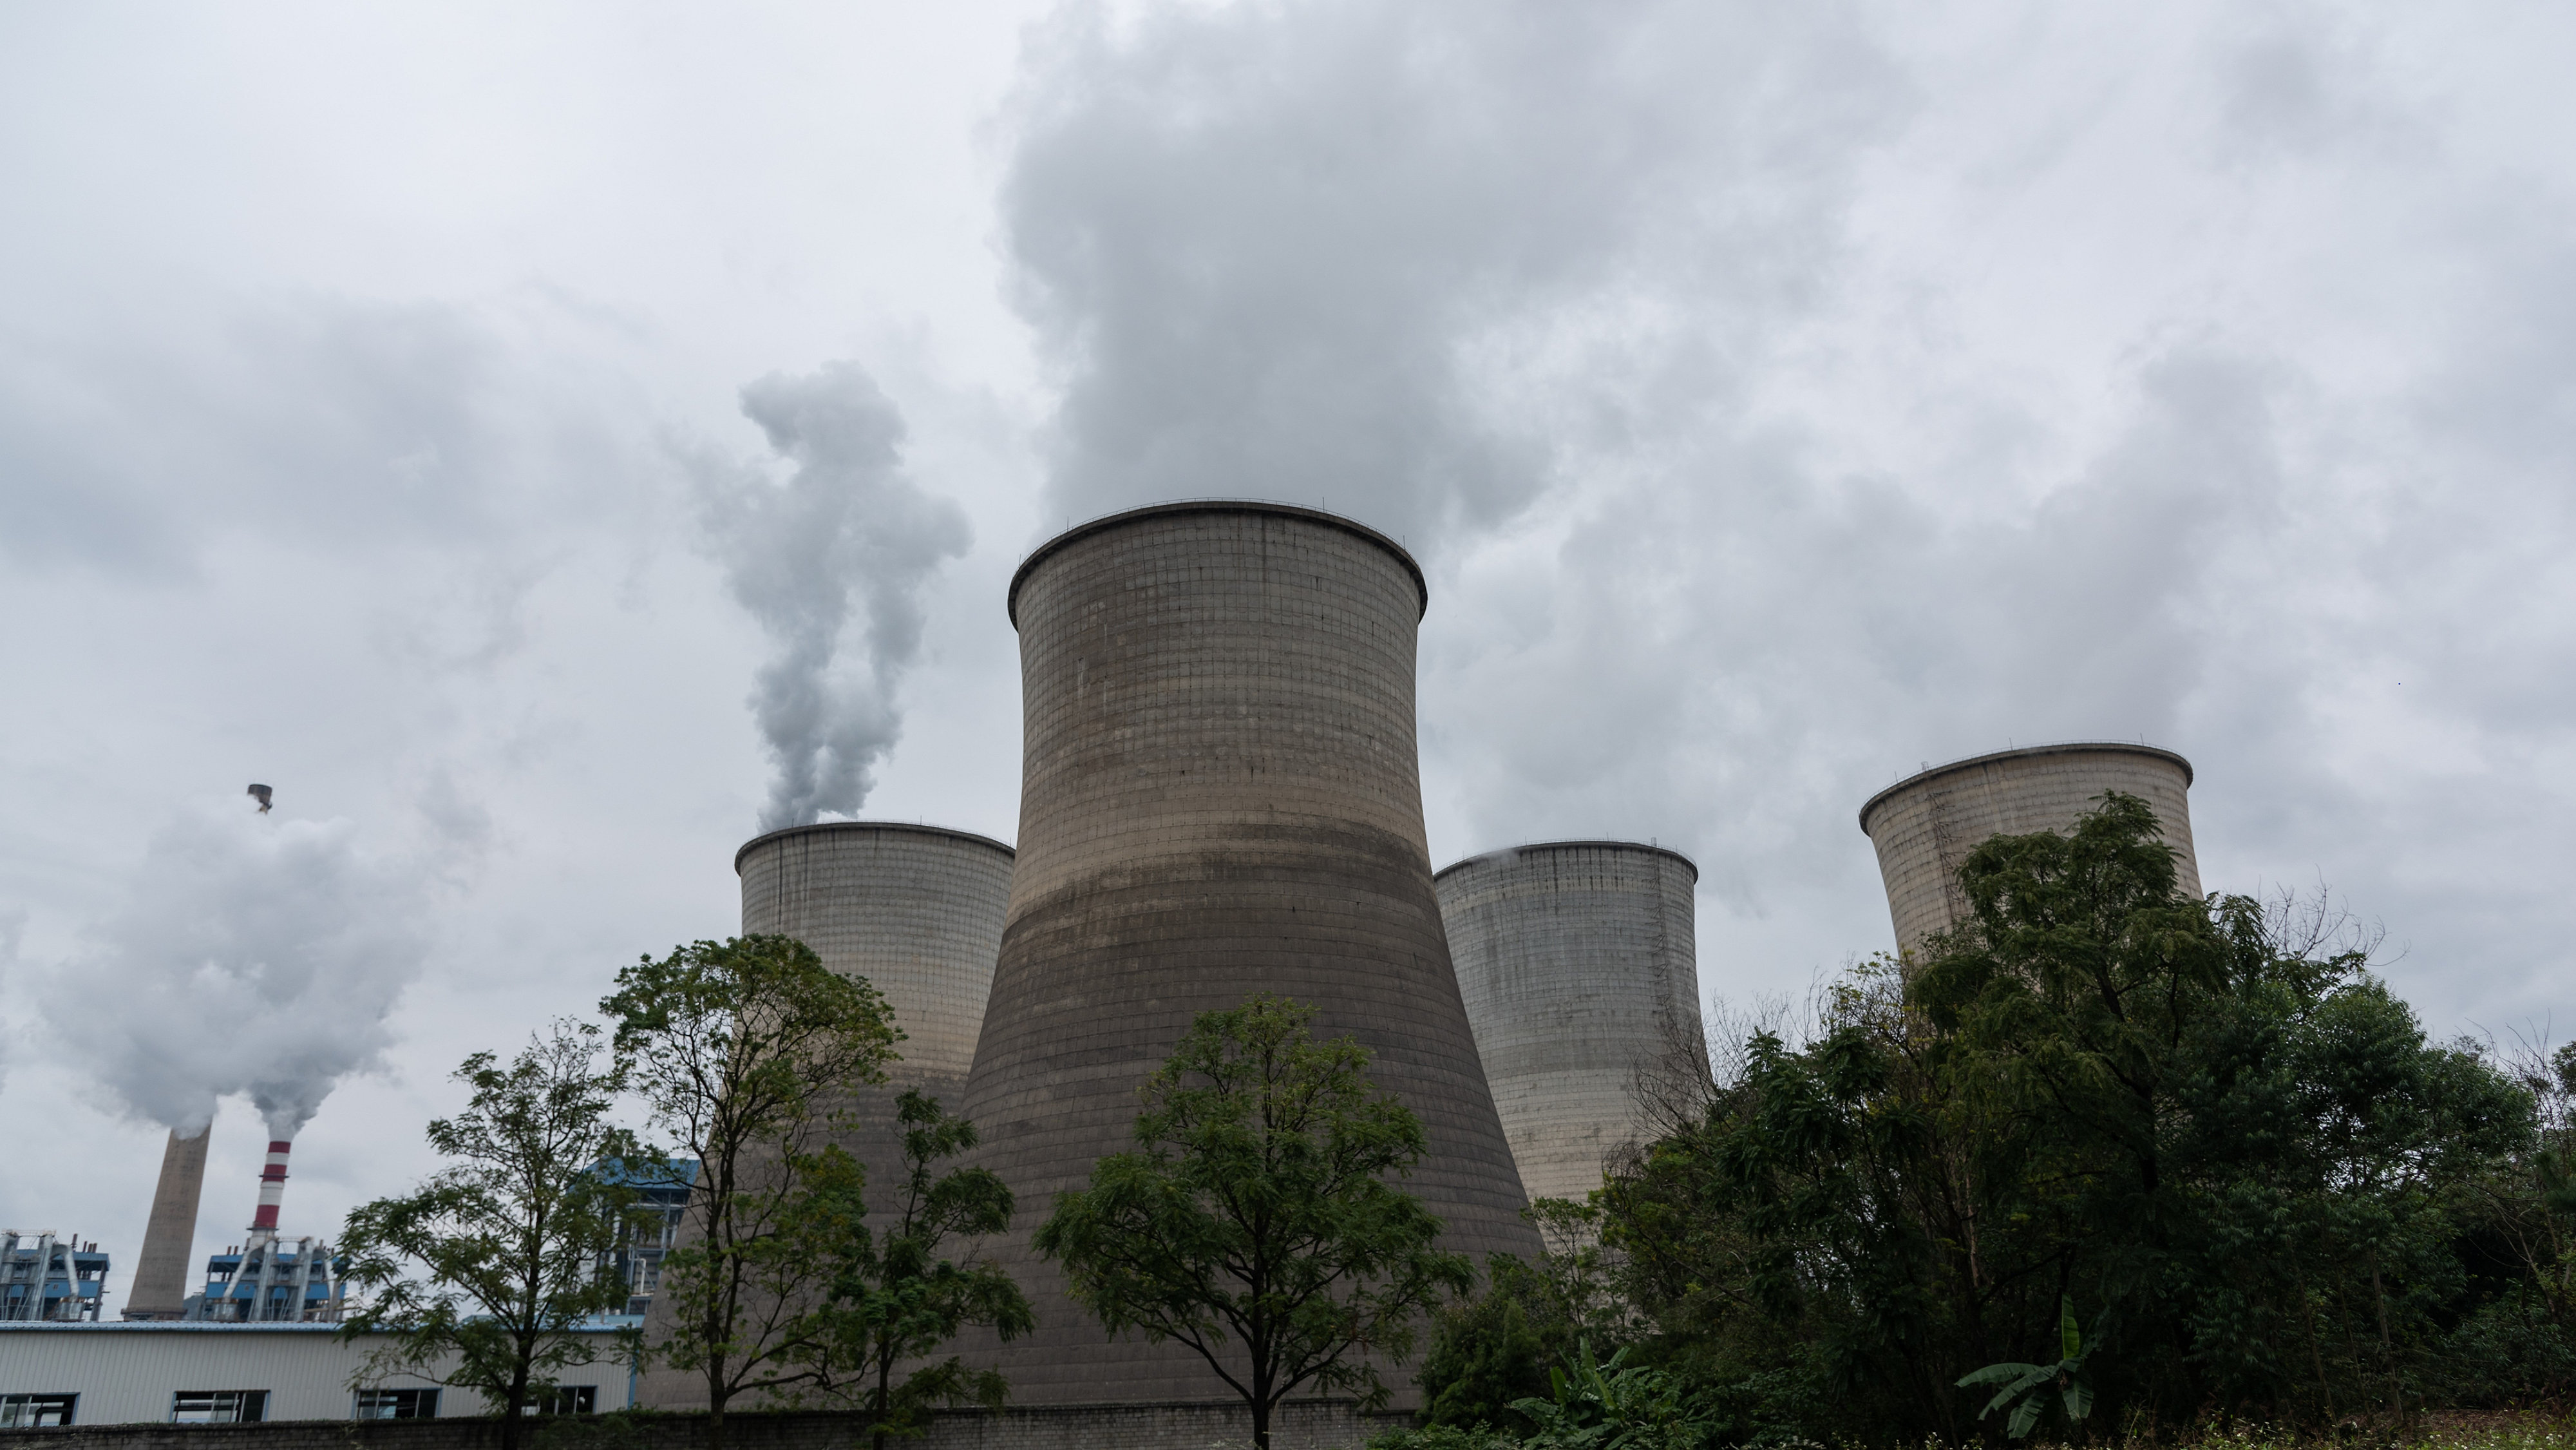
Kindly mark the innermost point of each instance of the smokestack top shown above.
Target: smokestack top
(272, 1188)
(1105, 522)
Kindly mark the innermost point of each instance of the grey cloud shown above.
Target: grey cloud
(1303, 251)
(847, 528)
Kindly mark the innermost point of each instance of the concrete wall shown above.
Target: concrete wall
(126, 1373)
(1300, 1425)
(917, 910)
(1576, 963)
(1925, 825)
(1220, 797)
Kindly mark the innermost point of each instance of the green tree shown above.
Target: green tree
(749, 1052)
(1257, 1213)
(513, 1232)
(2216, 1125)
(902, 1301)
(1533, 1317)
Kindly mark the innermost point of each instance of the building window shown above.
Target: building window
(565, 1400)
(218, 1407)
(397, 1405)
(35, 1412)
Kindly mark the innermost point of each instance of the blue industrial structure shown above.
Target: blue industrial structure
(270, 1281)
(43, 1278)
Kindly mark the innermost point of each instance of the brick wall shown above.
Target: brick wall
(1313, 1425)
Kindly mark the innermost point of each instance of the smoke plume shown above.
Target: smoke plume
(254, 954)
(847, 529)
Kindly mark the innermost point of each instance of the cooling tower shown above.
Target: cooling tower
(917, 910)
(1577, 966)
(161, 1280)
(1925, 825)
(1220, 797)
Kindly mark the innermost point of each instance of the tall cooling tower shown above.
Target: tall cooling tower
(917, 910)
(1925, 825)
(161, 1280)
(1220, 797)
(1578, 968)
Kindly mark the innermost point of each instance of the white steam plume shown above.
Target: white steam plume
(254, 954)
(848, 525)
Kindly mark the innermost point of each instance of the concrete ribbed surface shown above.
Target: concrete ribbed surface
(1577, 966)
(917, 911)
(161, 1278)
(1220, 797)
(1925, 825)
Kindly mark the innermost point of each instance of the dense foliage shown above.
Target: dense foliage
(2203, 1125)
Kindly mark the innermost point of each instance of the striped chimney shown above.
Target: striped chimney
(272, 1189)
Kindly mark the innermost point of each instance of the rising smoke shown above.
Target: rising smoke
(254, 954)
(848, 527)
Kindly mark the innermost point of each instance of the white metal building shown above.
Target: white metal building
(124, 1373)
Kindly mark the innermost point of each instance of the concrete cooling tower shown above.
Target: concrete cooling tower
(1577, 966)
(917, 910)
(1220, 797)
(1925, 825)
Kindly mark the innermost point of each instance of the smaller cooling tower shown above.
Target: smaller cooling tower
(1925, 825)
(917, 911)
(1578, 967)
(161, 1270)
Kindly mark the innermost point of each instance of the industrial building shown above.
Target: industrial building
(1220, 796)
(159, 1371)
(1925, 825)
(1578, 970)
(44, 1279)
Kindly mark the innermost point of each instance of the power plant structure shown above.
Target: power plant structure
(1925, 825)
(160, 1289)
(916, 910)
(50, 1280)
(1577, 965)
(1220, 797)
(268, 1278)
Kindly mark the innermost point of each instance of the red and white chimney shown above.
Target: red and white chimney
(272, 1190)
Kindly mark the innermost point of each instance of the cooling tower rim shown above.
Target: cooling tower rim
(916, 827)
(1037, 556)
(1643, 846)
(2067, 747)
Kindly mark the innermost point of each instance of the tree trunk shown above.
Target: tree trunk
(715, 1407)
(518, 1399)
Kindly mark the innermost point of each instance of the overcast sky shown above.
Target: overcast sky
(547, 442)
